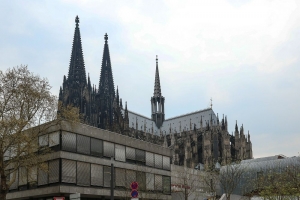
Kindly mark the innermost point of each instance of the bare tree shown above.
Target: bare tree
(26, 105)
(230, 177)
(210, 180)
(185, 181)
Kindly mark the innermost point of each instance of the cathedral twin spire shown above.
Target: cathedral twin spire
(97, 106)
(106, 81)
(77, 75)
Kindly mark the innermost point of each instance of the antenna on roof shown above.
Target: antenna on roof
(211, 102)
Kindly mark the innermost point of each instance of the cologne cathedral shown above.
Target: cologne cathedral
(199, 139)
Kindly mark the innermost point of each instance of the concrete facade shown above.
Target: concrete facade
(71, 171)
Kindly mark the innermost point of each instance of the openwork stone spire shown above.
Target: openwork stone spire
(106, 82)
(157, 89)
(77, 74)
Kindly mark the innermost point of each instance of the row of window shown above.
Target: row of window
(91, 146)
(87, 174)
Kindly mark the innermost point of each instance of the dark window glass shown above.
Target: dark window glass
(141, 179)
(140, 156)
(68, 171)
(96, 175)
(166, 184)
(83, 144)
(68, 141)
(106, 176)
(130, 153)
(83, 173)
(54, 171)
(96, 147)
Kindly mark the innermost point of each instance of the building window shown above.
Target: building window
(14, 185)
(53, 139)
(96, 175)
(43, 175)
(69, 141)
(68, 171)
(166, 163)
(130, 155)
(109, 149)
(158, 161)
(32, 177)
(130, 176)
(83, 174)
(140, 156)
(166, 184)
(43, 140)
(141, 179)
(96, 147)
(121, 178)
(83, 144)
(149, 182)
(158, 182)
(106, 176)
(149, 159)
(54, 171)
(120, 153)
(22, 176)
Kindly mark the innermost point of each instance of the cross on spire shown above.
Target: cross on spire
(105, 37)
(77, 20)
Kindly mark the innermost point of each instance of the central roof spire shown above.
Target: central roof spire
(157, 89)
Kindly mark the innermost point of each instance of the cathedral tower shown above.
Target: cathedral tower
(106, 90)
(75, 89)
(157, 101)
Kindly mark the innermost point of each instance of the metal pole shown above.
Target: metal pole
(112, 181)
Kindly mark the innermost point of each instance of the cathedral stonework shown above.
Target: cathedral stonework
(199, 139)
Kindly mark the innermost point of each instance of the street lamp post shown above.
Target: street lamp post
(112, 180)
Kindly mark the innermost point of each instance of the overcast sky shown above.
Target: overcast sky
(244, 54)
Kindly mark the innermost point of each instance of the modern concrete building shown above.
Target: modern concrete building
(80, 162)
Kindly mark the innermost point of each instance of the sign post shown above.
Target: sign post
(134, 193)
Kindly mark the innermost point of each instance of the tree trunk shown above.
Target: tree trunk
(227, 196)
(3, 188)
(3, 191)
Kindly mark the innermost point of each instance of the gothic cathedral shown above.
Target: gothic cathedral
(199, 139)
